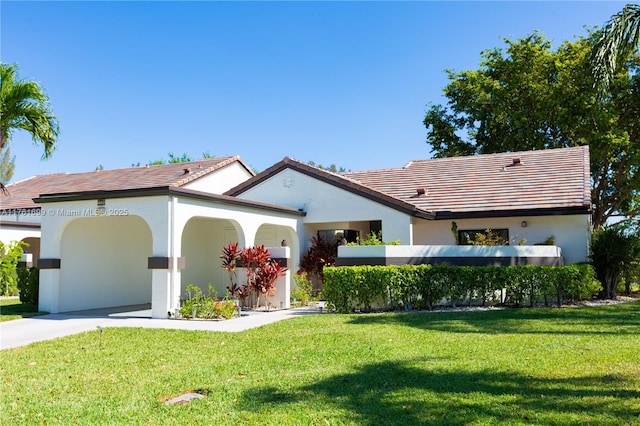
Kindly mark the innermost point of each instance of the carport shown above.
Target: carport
(127, 247)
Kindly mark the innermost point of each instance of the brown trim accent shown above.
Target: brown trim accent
(49, 263)
(359, 261)
(14, 224)
(282, 261)
(332, 179)
(25, 265)
(160, 262)
(166, 191)
(553, 211)
(453, 261)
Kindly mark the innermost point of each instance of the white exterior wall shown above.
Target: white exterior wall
(221, 180)
(430, 251)
(202, 242)
(104, 259)
(104, 263)
(15, 233)
(571, 232)
(325, 203)
(152, 212)
(215, 224)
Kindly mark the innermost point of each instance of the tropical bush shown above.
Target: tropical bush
(262, 272)
(197, 305)
(321, 254)
(301, 295)
(28, 284)
(10, 255)
(350, 288)
(374, 239)
(615, 253)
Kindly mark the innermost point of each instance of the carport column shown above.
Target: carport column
(51, 229)
(165, 262)
(164, 300)
(49, 291)
(283, 285)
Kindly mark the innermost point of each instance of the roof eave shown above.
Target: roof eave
(553, 211)
(165, 191)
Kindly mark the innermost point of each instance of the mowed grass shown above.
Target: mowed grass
(11, 309)
(524, 366)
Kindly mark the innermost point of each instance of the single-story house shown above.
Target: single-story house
(141, 234)
(525, 196)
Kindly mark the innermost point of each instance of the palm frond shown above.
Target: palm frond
(618, 39)
(25, 106)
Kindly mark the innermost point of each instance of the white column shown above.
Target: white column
(51, 230)
(283, 284)
(161, 263)
(49, 291)
(160, 293)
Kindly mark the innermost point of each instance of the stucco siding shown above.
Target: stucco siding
(202, 242)
(221, 180)
(104, 263)
(8, 234)
(571, 232)
(325, 203)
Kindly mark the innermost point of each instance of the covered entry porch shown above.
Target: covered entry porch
(114, 248)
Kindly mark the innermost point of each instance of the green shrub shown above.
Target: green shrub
(302, 293)
(10, 255)
(581, 282)
(28, 284)
(614, 254)
(348, 288)
(374, 239)
(197, 305)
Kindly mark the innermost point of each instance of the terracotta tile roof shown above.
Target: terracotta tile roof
(529, 180)
(167, 175)
(546, 181)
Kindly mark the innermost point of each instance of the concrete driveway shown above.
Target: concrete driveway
(25, 331)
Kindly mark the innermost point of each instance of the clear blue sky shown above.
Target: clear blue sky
(346, 83)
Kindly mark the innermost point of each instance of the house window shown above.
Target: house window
(335, 235)
(498, 237)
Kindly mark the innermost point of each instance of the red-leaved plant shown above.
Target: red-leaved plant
(320, 254)
(262, 272)
(229, 262)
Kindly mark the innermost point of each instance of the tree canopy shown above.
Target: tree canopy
(529, 96)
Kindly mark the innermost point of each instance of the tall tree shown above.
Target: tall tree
(618, 39)
(529, 96)
(25, 106)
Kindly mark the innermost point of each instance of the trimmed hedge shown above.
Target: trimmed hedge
(349, 288)
(28, 284)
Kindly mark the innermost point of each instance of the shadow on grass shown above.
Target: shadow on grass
(411, 393)
(18, 310)
(618, 319)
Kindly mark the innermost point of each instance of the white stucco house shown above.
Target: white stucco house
(530, 196)
(140, 235)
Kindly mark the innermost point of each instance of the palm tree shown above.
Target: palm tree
(24, 106)
(619, 38)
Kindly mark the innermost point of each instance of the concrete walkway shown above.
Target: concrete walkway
(25, 331)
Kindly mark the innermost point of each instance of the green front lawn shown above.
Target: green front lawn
(11, 309)
(521, 366)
